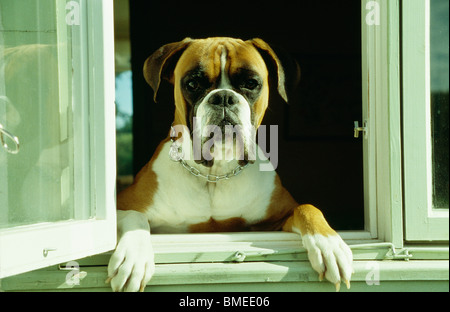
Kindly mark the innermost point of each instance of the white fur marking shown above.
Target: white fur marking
(224, 81)
(329, 255)
(132, 264)
(196, 202)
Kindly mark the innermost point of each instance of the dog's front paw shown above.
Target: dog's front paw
(132, 265)
(331, 257)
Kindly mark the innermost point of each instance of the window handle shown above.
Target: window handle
(9, 141)
(357, 129)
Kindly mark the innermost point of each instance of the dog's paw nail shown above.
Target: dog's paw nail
(338, 286)
(321, 275)
(347, 283)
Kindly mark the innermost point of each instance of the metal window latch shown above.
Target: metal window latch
(357, 129)
(240, 256)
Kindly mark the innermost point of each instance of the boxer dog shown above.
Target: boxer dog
(218, 82)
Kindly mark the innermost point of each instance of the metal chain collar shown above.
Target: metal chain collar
(176, 154)
(212, 177)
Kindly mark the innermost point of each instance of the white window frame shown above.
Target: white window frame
(26, 248)
(422, 222)
(383, 188)
(380, 52)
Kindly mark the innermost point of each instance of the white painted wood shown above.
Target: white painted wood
(381, 108)
(35, 246)
(422, 221)
(293, 275)
(369, 57)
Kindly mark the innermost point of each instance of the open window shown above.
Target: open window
(361, 61)
(57, 161)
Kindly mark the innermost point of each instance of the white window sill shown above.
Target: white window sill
(428, 275)
(205, 264)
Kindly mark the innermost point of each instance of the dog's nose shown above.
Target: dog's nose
(223, 97)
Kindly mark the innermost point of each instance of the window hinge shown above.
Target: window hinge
(401, 254)
(357, 129)
(391, 254)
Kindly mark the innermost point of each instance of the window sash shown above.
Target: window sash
(422, 221)
(30, 247)
(380, 29)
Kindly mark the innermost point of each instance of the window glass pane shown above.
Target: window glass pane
(439, 62)
(124, 95)
(36, 91)
(124, 125)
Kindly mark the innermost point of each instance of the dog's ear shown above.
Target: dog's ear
(285, 67)
(161, 64)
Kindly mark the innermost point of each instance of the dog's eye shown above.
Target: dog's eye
(250, 84)
(192, 85)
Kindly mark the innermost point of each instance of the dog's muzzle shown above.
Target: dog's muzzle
(225, 119)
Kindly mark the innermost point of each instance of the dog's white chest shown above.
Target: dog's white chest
(183, 199)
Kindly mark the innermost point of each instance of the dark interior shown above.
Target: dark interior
(320, 162)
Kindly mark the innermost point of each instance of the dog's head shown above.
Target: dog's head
(219, 84)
